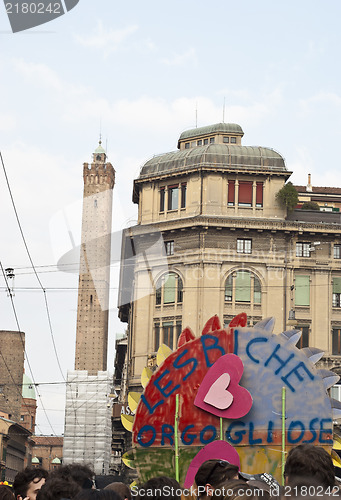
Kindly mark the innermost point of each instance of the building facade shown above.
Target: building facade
(327, 198)
(15, 449)
(47, 452)
(28, 405)
(218, 241)
(11, 373)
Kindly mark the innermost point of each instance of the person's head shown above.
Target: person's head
(121, 489)
(57, 488)
(237, 489)
(213, 473)
(28, 482)
(307, 462)
(6, 492)
(161, 488)
(81, 474)
(97, 495)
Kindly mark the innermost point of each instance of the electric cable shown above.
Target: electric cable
(23, 343)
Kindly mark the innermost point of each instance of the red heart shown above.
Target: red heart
(212, 394)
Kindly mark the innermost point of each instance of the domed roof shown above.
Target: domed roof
(224, 156)
(100, 149)
(28, 390)
(217, 128)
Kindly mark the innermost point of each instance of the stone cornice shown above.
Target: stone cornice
(238, 223)
(230, 169)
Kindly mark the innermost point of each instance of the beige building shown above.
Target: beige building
(15, 449)
(328, 198)
(212, 238)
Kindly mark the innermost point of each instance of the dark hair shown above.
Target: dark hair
(156, 485)
(215, 472)
(57, 488)
(309, 463)
(239, 489)
(27, 476)
(121, 489)
(97, 495)
(6, 492)
(81, 474)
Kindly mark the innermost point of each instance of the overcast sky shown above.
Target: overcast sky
(141, 69)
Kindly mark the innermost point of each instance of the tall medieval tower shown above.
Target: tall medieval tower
(87, 433)
(94, 273)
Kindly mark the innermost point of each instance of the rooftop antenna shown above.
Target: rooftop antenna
(100, 130)
(106, 146)
(224, 111)
(196, 115)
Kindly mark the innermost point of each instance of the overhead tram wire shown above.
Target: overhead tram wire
(23, 343)
(33, 267)
(39, 281)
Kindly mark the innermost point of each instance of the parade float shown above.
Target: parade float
(239, 393)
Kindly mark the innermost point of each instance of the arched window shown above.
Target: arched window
(169, 289)
(243, 286)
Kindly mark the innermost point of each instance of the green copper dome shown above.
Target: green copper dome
(217, 128)
(28, 390)
(223, 156)
(99, 149)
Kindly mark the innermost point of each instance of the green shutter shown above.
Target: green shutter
(257, 291)
(336, 285)
(302, 290)
(228, 289)
(169, 289)
(243, 286)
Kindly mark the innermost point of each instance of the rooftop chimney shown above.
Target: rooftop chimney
(309, 187)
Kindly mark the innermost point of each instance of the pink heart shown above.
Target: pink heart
(217, 394)
(212, 395)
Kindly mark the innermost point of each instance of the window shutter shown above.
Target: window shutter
(302, 290)
(228, 288)
(259, 194)
(243, 286)
(336, 285)
(257, 291)
(169, 289)
(245, 192)
(231, 192)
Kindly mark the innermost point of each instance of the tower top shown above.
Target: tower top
(99, 155)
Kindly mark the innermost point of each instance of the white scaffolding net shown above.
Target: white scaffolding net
(87, 434)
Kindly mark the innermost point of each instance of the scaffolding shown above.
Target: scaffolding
(87, 434)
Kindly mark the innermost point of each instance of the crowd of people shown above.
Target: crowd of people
(309, 473)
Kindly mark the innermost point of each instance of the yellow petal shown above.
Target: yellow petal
(127, 421)
(129, 462)
(133, 400)
(134, 483)
(145, 376)
(336, 459)
(337, 443)
(163, 353)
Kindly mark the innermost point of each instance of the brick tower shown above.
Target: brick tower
(94, 273)
(87, 433)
